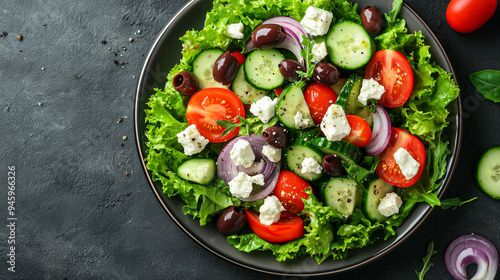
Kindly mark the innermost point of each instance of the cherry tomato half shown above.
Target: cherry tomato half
(284, 230)
(388, 169)
(361, 133)
(209, 105)
(391, 69)
(468, 15)
(239, 57)
(290, 191)
(318, 98)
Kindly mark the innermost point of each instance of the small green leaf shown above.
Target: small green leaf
(487, 82)
(454, 203)
(427, 261)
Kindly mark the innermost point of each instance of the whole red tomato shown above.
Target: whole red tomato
(468, 15)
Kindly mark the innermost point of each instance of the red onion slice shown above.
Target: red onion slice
(470, 249)
(227, 170)
(381, 132)
(291, 23)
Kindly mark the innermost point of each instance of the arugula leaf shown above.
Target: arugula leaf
(307, 55)
(487, 82)
(427, 261)
(454, 203)
(229, 125)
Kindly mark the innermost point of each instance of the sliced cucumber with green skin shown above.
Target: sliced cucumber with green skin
(343, 194)
(376, 190)
(488, 172)
(203, 66)
(343, 149)
(198, 170)
(292, 101)
(247, 93)
(295, 155)
(348, 45)
(261, 69)
(348, 99)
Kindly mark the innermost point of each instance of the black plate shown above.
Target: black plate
(166, 52)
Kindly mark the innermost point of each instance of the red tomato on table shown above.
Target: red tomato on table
(392, 70)
(284, 230)
(468, 15)
(318, 98)
(361, 133)
(290, 191)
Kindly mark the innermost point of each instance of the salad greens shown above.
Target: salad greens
(327, 233)
(427, 261)
(487, 82)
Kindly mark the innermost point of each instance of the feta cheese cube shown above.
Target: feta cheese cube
(310, 165)
(370, 89)
(192, 141)
(300, 121)
(235, 30)
(319, 52)
(270, 211)
(316, 21)
(390, 204)
(264, 108)
(408, 165)
(273, 154)
(242, 185)
(334, 124)
(242, 153)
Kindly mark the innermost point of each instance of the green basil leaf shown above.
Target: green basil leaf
(487, 82)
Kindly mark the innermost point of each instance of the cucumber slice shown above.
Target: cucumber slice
(377, 189)
(247, 93)
(295, 155)
(348, 45)
(261, 69)
(488, 172)
(198, 170)
(348, 99)
(292, 101)
(343, 194)
(345, 150)
(203, 66)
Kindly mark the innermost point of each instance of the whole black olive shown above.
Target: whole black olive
(288, 69)
(267, 36)
(185, 83)
(371, 20)
(232, 221)
(276, 136)
(225, 68)
(326, 73)
(332, 165)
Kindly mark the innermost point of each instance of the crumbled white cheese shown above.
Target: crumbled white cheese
(300, 121)
(235, 30)
(316, 21)
(272, 153)
(408, 165)
(319, 52)
(334, 124)
(192, 141)
(264, 108)
(370, 89)
(390, 204)
(270, 211)
(310, 165)
(242, 185)
(242, 153)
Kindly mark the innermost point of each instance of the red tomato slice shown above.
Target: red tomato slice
(239, 57)
(468, 15)
(318, 98)
(388, 169)
(392, 70)
(284, 230)
(290, 191)
(361, 133)
(209, 105)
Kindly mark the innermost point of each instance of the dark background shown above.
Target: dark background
(84, 208)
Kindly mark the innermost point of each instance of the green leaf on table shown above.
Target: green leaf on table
(487, 82)
(427, 261)
(454, 203)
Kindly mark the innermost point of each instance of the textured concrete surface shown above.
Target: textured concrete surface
(83, 206)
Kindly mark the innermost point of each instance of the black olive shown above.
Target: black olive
(332, 165)
(225, 68)
(232, 221)
(288, 69)
(267, 36)
(326, 73)
(371, 20)
(276, 136)
(185, 83)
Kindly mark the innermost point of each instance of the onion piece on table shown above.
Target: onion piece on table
(227, 170)
(381, 132)
(469, 249)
